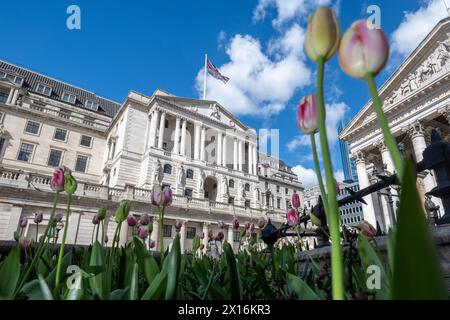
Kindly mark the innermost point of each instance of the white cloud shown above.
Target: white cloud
(261, 83)
(306, 176)
(297, 142)
(416, 25)
(286, 9)
(339, 176)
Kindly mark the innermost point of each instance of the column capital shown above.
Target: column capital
(381, 146)
(415, 130)
(359, 156)
(446, 113)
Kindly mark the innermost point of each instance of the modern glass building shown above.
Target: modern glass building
(349, 166)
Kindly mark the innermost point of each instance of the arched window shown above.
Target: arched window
(247, 187)
(167, 169)
(231, 183)
(189, 174)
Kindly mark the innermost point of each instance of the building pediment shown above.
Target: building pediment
(427, 65)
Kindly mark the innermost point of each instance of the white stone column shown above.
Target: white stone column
(183, 236)
(235, 154)
(176, 149)
(15, 214)
(154, 128)
(240, 155)
(205, 233)
(74, 221)
(183, 138)
(148, 130)
(10, 96)
(230, 235)
(250, 161)
(224, 151)
(155, 233)
(363, 177)
(162, 126)
(255, 160)
(197, 142)
(15, 97)
(124, 229)
(202, 144)
(219, 149)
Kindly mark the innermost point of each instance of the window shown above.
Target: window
(54, 159)
(188, 193)
(89, 121)
(278, 203)
(81, 164)
(60, 134)
(167, 169)
(65, 114)
(32, 127)
(70, 98)
(231, 183)
(166, 124)
(165, 146)
(278, 189)
(12, 78)
(286, 190)
(247, 203)
(287, 204)
(247, 187)
(236, 236)
(2, 143)
(190, 232)
(1, 117)
(167, 231)
(86, 141)
(189, 174)
(25, 152)
(4, 96)
(45, 90)
(91, 105)
(231, 200)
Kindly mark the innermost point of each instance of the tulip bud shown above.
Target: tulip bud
(307, 115)
(70, 183)
(122, 211)
(25, 243)
(202, 246)
(363, 51)
(235, 224)
(210, 234)
(167, 196)
(41, 238)
(23, 222)
(95, 220)
(315, 221)
(143, 233)
(322, 35)
(296, 200)
(106, 238)
(58, 180)
(292, 217)
(202, 235)
(367, 230)
(131, 221)
(59, 217)
(178, 225)
(261, 223)
(151, 243)
(247, 226)
(38, 217)
(220, 236)
(101, 213)
(144, 220)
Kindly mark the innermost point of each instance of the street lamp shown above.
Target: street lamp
(59, 227)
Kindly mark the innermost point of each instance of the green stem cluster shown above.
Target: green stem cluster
(319, 174)
(63, 242)
(333, 209)
(161, 232)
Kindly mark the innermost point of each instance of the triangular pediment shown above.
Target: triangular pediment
(427, 64)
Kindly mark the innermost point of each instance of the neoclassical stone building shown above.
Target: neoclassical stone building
(120, 151)
(416, 100)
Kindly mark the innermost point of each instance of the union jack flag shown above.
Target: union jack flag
(212, 70)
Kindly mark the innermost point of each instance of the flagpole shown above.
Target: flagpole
(205, 77)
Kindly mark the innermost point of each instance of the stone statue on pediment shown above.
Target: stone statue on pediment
(225, 185)
(424, 72)
(181, 177)
(214, 111)
(442, 57)
(446, 43)
(201, 180)
(157, 172)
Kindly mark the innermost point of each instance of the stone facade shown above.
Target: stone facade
(416, 99)
(120, 151)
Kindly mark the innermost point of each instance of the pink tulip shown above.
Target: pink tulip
(144, 220)
(143, 233)
(296, 200)
(57, 182)
(59, 217)
(235, 224)
(95, 220)
(261, 223)
(307, 115)
(167, 196)
(367, 230)
(210, 234)
(151, 244)
(178, 225)
(131, 221)
(247, 226)
(38, 217)
(25, 243)
(363, 51)
(23, 222)
(202, 235)
(220, 236)
(292, 217)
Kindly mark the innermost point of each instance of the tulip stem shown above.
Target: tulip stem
(337, 268)
(319, 174)
(161, 233)
(40, 247)
(61, 249)
(389, 139)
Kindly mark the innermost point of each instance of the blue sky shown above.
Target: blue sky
(144, 45)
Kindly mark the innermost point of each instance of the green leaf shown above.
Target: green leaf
(417, 273)
(297, 285)
(119, 294)
(146, 262)
(233, 273)
(174, 269)
(45, 289)
(196, 243)
(9, 274)
(65, 263)
(156, 288)
(98, 283)
(134, 283)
